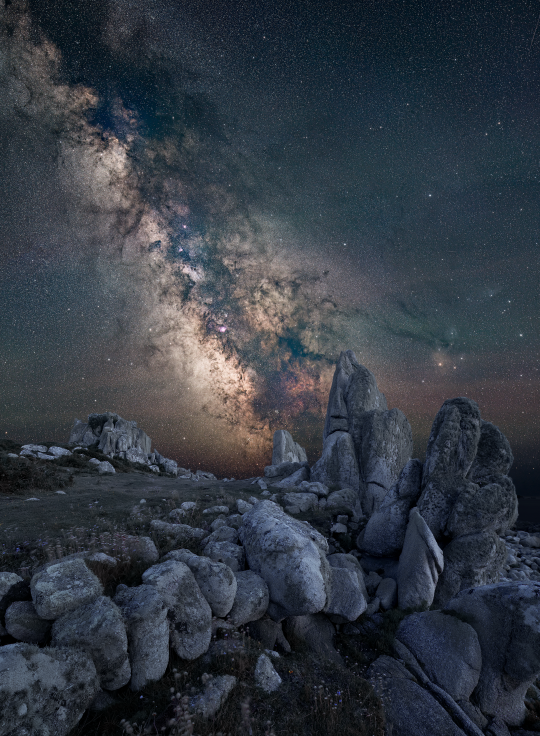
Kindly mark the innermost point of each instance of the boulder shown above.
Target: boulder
(177, 534)
(269, 633)
(265, 675)
(387, 593)
(145, 617)
(243, 506)
(345, 597)
(420, 564)
(314, 631)
(12, 588)
(506, 618)
(223, 533)
(189, 613)
(447, 649)
(44, 691)
(228, 553)
(409, 709)
(304, 501)
(289, 555)
(286, 450)
(63, 586)
(217, 690)
(216, 580)
(320, 490)
(470, 561)
(383, 446)
(454, 439)
(384, 533)
(299, 476)
(251, 598)
(438, 498)
(276, 473)
(345, 501)
(353, 392)
(98, 629)
(23, 623)
(483, 508)
(493, 456)
(338, 464)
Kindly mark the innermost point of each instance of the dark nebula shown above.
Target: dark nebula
(204, 202)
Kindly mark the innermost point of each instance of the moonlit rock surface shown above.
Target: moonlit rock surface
(420, 564)
(286, 450)
(289, 556)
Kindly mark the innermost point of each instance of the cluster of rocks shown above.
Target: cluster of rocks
(117, 437)
(433, 536)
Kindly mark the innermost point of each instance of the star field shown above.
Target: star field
(203, 203)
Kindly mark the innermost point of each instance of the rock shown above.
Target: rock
(299, 476)
(345, 501)
(387, 593)
(139, 549)
(491, 507)
(345, 596)
(304, 501)
(409, 709)
(176, 515)
(506, 618)
(269, 633)
(262, 485)
(353, 392)
(289, 556)
(383, 446)
(169, 466)
(216, 510)
(453, 441)
(228, 553)
(217, 690)
(438, 498)
(216, 581)
(189, 613)
(98, 629)
(234, 521)
(243, 506)
(188, 505)
(147, 627)
(315, 632)
(265, 675)
(447, 649)
(32, 450)
(286, 450)
(134, 455)
(493, 455)
(470, 561)
(62, 587)
(372, 582)
(179, 534)
(420, 564)
(338, 464)
(277, 472)
(338, 529)
(44, 691)
(320, 490)
(251, 599)
(23, 623)
(384, 533)
(12, 588)
(105, 468)
(223, 533)
(58, 451)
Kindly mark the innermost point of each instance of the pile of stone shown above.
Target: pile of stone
(434, 536)
(117, 437)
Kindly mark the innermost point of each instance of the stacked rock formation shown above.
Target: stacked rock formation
(117, 437)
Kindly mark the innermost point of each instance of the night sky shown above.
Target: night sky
(203, 202)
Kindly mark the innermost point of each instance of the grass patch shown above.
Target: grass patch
(18, 475)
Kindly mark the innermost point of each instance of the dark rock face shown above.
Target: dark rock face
(493, 457)
(470, 561)
(454, 439)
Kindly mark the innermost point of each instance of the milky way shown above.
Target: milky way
(204, 203)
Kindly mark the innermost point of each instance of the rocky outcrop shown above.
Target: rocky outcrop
(286, 450)
(117, 437)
